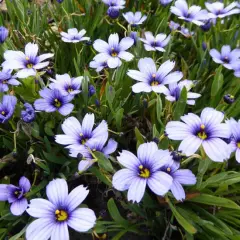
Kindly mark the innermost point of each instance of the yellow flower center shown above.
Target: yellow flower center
(3, 113)
(29, 65)
(113, 53)
(57, 103)
(144, 172)
(70, 90)
(154, 83)
(202, 134)
(61, 215)
(238, 144)
(5, 81)
(168, 169)
(27, 58)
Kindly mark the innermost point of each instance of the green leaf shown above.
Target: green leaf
(139, 137)
(100, 176)
(116, 216)
(103, 162)
(36, 189)
(18, 235)
(181, 105)
(51, 157)
(218, 178)
(217, 82)
(159, 108)
(181, 220)
(214, 201)
(119, 117)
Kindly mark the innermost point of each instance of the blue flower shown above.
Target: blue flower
(28, 115)
(28, 62)
(151, 79)
(226, 57)
(165, 2)
(180, 177)
(77, 135)
(3, 34)
(91, 90)
(193, 14)
(174, 92)
(6, 79)
(113, 51)
(53, 100)
(134, 19)
(158, 43)
(117, 4)
(74, 36)
(98, 65)
(59, 212)
(217, 9)
(206, 131)
(184, 31)
(235, 137)
(7, 107)
(16, 195)
(134, 36)
(113, 12)
(143, 170)
(66, 85)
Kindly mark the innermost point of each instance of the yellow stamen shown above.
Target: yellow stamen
(27, 58)
(169, 169)
(29, 65)
(154, 75)
(3, 113)
(202, 135)
(144, 172)
(61, 215)
(140, 167)
(154, 83)
(57, 103)
(81, 134)
(5, 81)
(202, 126)
(238, 144)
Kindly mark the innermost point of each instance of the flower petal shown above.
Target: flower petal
(25, 184)
(57, 191)
(3, 192)
(178, 191)
(18, 207)
(146, 152)
(160, 183)
(128, 160)
(66, 109)
(177, 130)
(82, 219)
(126, 56)
(101, 46)
(184, 176)
(190, 145)
(76, 197)
(87, 124)
(110, 147)
(122, 179)
(126, 43)
(211, 116)
(137, 189)
(141, 87)
(60, 232)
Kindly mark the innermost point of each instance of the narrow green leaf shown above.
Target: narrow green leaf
(181, 105)
(100, 176)
(103, 162)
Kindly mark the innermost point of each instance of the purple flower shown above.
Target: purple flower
(226, 57)
(174, 92)
(217, 9)
(113, 12)
(235, 137)
(206, 131)
(16, 195)
(117, 4)
(113, 51)
(66, 85)
(77, 135)
(134, 36)
(91, 90)
(236, 68)
(193, 14)
(134, 19)
(7, 107)
(94, 145)
(74, 36)
(143, 170)
(28, 62)
(3, 34)
(158, 43)
(6, 79)
(184, 31)
(28, 115)
(229, 99)
(151, 79)
(58, 212)
(53, 100)
(165, 2)
(98, 65)
(180, 177)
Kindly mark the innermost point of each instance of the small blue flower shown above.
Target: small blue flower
(206, 131)
(193, 14)
(143, 170)
(73, 36)
(113, 51)
(227, 57)
(174, 92)
(180, 177)
(91, 90)
(151, 79)
(217, 9)
(117, 4)
(77, 135)
(16, 195)
(7, 107)
(228, 98)
(59, 212)
(165, 2)
(98, 65)
(134, 19)
(66, 85)
(6, 79)
(157, 43)
(184, 31)
(3, 34)
(113, 12)
(53, 100)
(28, 115)
(28, 62)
